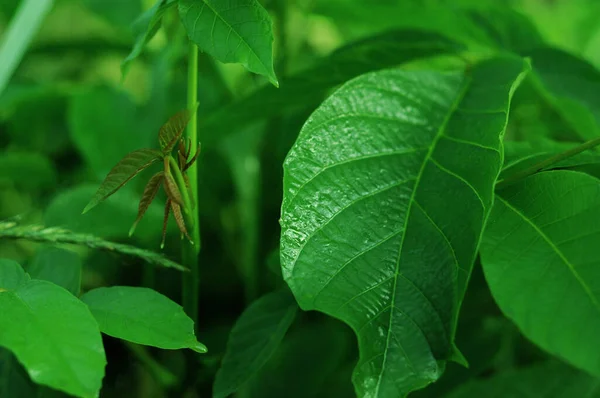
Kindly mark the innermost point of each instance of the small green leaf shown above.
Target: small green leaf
(11, 275)
(541, 263)
(148, 196)
(132, 164)
(145, 27)
(232, 31)
(59, 266)
(254, 338)
(172, 130)
(142, 316)
(547, 380)
(382, 213)
(54, 336)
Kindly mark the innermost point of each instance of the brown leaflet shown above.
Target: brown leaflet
(192, 160)
(148, 196)
(172, 130)
(172, 189)
(127, 168)
(180, 221)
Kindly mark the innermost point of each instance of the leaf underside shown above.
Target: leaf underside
(131, 165)
(539, 255)
(234, 31)
(386, 192)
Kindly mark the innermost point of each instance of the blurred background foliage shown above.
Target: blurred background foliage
(66, 118)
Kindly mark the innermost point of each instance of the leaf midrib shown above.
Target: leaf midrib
(440, 133)
(558, 252)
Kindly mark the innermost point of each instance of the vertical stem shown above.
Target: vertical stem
(191, 280)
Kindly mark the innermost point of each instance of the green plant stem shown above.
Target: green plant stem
(547, 163)
(176, 173)
(191, 282)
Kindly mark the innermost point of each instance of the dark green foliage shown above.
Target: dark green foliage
(393, 198)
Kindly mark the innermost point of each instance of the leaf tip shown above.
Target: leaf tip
(199, 348)
(88, 207)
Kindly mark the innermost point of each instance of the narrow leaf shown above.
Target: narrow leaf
(59, 266)
(165, 222)
(172, 130)
(172, 189)
(382, 215)
(148, 196)
(145, 27)
(132, 164)
(232, 31)
(142, 316)
(54, 336)
(540, 260)
(254, 338)
(180, 221)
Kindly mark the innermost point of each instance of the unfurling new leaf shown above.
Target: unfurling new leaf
(130, 166)
(147, 197)
(171, 131)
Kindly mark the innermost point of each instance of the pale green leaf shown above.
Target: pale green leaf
(21, 30)
(59, 266)
(131, 165)
(385, 194)
(54, 336)
(142, 316)
(540, 260)
(11, 275)
(233, 31)
(145, 27)
(254, 338)
(544, 380)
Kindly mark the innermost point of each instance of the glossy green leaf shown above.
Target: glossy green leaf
(254, 338)
(54, 336)
(59, 266)
(572, 85)
(11, 275)
(144, 28)
(142, 316)
(27, 170)
(15, 40)
(237, 31)
(308, 88)
(131, 165)
(370, 233)
(545, 380)
(540, 260)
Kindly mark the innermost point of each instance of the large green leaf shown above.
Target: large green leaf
(385, 195)
(545, 380)
(308, 88)
(59, 266)
(15, 40)
(232, 31)
(253, 340)
(572, 85)
(54, 336)
(541, 263)
(142, 316)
